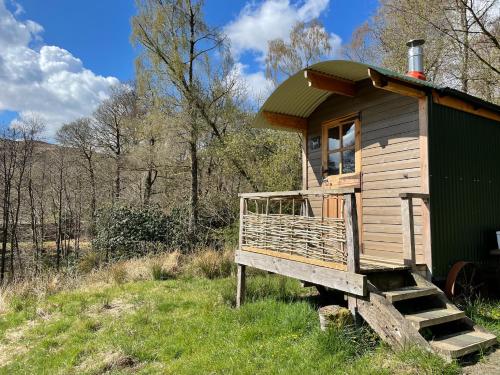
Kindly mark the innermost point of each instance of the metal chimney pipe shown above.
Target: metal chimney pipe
(416, 59)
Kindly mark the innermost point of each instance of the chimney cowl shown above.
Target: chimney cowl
(416, 59)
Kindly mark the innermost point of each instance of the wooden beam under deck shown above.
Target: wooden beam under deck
(329, 83)
(297, 258)
(352, 283)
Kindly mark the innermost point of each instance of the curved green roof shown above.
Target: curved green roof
(294, 96)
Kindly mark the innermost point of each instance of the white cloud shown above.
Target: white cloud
(49, 82)
(336, 44)
(271, 19)
(259, 23)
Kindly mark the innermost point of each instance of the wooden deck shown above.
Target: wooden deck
(370, 264)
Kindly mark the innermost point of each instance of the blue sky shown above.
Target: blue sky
(72, 51)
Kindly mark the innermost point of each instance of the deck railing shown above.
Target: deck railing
(279, 224)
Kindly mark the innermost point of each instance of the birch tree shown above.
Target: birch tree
(308, 43)
(188, 63)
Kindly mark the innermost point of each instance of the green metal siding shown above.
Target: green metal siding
(464, 177)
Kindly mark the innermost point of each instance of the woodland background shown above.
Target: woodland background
(159, 164)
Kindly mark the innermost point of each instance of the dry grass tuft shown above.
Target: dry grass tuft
(20, 294)
(208, 263)
(213, 264)
(118, 273)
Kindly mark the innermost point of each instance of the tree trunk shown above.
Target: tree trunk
(34, 231)
(193, 217)
(59, 218)
(5, 227)
(118, 173)
(464, 76)
(93, 198)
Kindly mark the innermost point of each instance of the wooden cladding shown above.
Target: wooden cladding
(329, 83)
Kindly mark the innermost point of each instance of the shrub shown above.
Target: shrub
(129, 231)
(213, 264)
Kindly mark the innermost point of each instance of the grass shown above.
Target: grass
(485, 313)
(188, 326)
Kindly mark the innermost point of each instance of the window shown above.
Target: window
(341, 147)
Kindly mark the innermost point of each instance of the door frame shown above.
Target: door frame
(344, 180)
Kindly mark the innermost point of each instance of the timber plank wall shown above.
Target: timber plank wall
(390, 162)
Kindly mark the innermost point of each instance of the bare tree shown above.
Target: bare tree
(79, 134)
(112, 128)
(8, 160)
(16, 151)
(29, 128)
(57, 196)
(462, 41)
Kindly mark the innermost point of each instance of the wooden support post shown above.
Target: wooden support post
(351, 232)
(352, 245)
(240, 289)
(408, 231)
(243, 206)
(241, 285)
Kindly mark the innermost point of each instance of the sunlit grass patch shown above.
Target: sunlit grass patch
(189, 326)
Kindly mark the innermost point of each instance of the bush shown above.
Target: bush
(214, 264)
(128, 231)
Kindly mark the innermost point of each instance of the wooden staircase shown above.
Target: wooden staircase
(406, 309)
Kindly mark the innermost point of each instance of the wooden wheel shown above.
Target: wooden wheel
(463, 283)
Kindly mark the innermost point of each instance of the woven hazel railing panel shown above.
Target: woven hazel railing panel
(308, 237)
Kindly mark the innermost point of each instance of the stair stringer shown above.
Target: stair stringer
(388, 322)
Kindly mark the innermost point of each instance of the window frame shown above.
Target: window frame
(325, 152)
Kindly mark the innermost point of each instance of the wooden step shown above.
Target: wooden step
(433, 317)
(409, 292)
(462, 343)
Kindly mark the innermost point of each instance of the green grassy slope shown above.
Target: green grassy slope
(187, 326)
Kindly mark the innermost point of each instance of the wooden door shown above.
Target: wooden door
(341, 163)
(333, 206)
